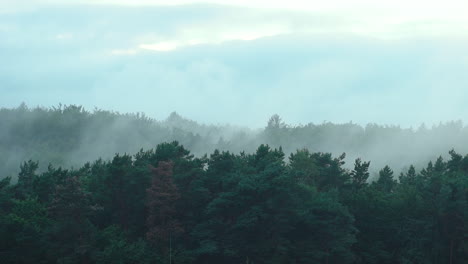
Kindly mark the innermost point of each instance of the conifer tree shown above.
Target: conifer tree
(162, 222)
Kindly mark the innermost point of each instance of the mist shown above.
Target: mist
(70, 136)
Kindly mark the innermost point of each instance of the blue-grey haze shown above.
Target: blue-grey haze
(70, 54)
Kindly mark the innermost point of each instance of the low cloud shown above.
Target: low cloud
(231, 64)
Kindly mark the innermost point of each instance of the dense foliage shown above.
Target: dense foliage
(166, 206)
(69, 136)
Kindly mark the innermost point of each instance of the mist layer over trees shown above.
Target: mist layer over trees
(70, 136)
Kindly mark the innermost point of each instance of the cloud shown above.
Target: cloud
(123, 51)
(389, 19)
(161, 46)
(232, 64)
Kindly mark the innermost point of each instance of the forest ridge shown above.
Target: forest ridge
(70, 136)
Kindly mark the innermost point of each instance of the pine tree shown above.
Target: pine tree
(162, 196)
(386, 182)
(26, 178)
(360, 174)
(71, 235)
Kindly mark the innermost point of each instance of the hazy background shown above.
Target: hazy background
(328, 69)
(70, 136)
(391, 62)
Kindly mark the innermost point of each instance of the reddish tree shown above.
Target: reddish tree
(161, 199)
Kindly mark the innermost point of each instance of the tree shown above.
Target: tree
(114, 246)
(162, 221)
(26, 177)
(360, 173)
(409, 177)
(22, 232)
(275, 132)
(386, 183)
(71, 236)
(303, 168)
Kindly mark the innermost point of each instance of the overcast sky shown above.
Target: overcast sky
(388, 62)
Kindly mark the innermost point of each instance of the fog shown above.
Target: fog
(360, 81)
(70, 136)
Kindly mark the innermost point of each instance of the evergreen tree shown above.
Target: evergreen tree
(26, 178)
(386, 182)
(360, 173)
(71, 236)
(162, 223)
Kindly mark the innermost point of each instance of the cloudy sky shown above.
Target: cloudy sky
(389, 62)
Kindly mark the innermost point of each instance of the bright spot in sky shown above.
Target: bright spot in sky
(162, 46)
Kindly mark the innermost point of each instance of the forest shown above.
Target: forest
(69, 136)
(272, 202)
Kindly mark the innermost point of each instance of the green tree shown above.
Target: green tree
(360, 173)
(385, 182)
(26, 178)
(71, 236)
(23, 233)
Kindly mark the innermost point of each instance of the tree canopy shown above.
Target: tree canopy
(165, 205)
